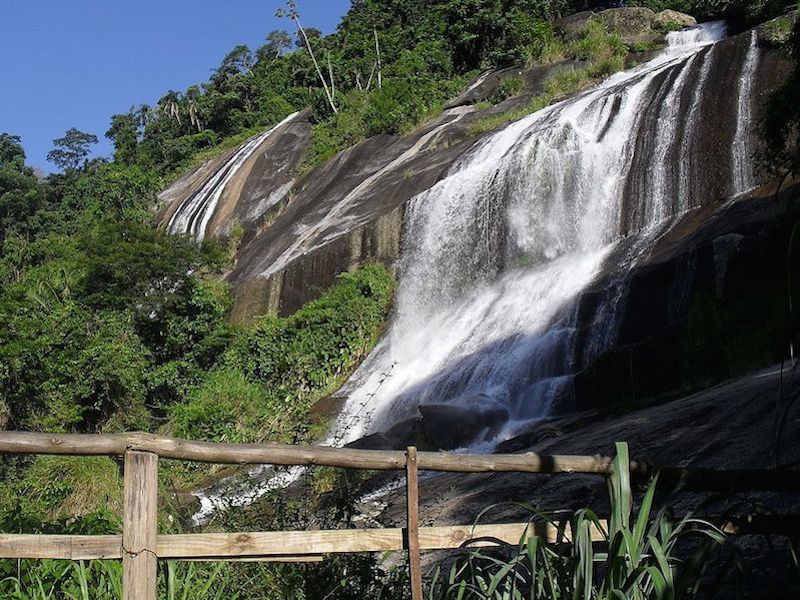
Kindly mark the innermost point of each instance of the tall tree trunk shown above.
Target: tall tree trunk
(378, 54)
(316, 65)
(330, 75)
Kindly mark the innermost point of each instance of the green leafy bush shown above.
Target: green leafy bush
(604, 54)
(89, 323)
(668, 26)
(225, 407)
(596, 44)
(777, 32)
(274, 372)
(61, 487)
(508, 88)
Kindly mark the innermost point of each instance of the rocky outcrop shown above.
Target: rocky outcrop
(332, 244)
(350, 209)
(347, 211)
(670, 19)
(633, 25)
(575, 26)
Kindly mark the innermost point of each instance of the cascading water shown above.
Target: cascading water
(196, 211)
(496, 255)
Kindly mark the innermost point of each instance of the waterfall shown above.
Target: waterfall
(497, 254)
(195, 212)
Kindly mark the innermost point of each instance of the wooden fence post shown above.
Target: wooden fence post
(140, 526)
(412, 508)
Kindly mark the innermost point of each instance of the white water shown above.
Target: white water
(496, 254)
(195, 212)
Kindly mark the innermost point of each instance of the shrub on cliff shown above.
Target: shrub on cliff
(274, 372)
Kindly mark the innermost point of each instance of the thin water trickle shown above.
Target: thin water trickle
(743, 174)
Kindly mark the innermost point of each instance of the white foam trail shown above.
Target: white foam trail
(661, 177)
(236, 492)
(684, 165)
(195, 212)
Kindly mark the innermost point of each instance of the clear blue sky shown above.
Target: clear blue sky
(66, 63)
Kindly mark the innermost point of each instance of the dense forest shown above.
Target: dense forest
(109, 324)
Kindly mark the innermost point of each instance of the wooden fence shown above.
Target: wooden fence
(140, 546)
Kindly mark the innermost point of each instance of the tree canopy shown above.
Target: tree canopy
(72, 149)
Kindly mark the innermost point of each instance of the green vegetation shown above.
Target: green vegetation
(257, 384)
(559, 86)
(603, 54)
(388, 66)
(778, 31)
(642, 562)
(669, 26)
(508, 88)
(273, 373)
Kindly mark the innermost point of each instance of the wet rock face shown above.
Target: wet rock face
(346, 212)
(379, 176)
(708, 305)
(353, 209)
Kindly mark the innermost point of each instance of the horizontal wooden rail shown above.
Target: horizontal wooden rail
(277, 544)
(15, 442)
(301, 546)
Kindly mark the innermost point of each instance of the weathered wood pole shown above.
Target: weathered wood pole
(140, 526)
(412, 508)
